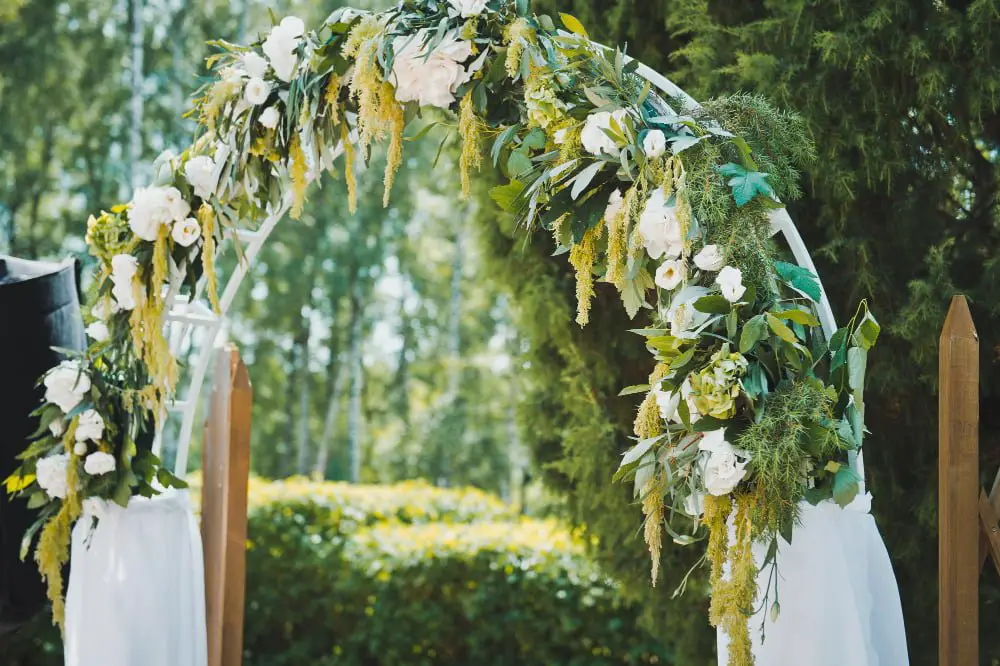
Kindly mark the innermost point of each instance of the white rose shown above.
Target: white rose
(726, 465)
(694, 504)
(98, 331)
(50, 472)
(430, 80)
(90, 426)
(668, 401)
(257, 91)
(709, 258)
(730, 281)
(467, 8)
(153, 207)
(593, 137)
(682, 315)
(124, 296)
(98, 463)
(671, 273)
(255, 65)
(57, 428)
(123, 268)
(686, 395)
(280, 46)
(80, 449)
(269, 117)
(200, 174)
(654, 143)
(65, 385)
(660, 228)
(559, 137)
(614, 207)
(186, 233)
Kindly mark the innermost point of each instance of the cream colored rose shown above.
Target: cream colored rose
(186, 233)
(710, 258)
(654, 143)
(730, 281)
(670, 274)
(660, 227)
(429, 80)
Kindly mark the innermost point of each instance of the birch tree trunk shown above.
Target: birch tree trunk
(136, 105)
(354, 410)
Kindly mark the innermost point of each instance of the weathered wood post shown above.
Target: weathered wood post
(958, 489)
(226, 464)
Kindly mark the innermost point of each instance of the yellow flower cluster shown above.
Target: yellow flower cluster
(714, 389)
(732, 596)
(470, 128)
(517, 35)
(582, 256)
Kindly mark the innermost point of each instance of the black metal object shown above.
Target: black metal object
(39, 309)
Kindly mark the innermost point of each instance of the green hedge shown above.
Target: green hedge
(413, 575)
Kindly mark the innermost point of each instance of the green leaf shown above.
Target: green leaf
(535, 139)
(635, 388)
(573, 24)
(681, 142)
(583, 179)
(518, 163)
(501, 141)
(648, 332)
(37, 499)
(639, 450)
(838, 349)
(506, 196)
(846, 485)
(867, 332)
(779, 329)
(800, 279)
(745, 184)
(521, 7)
(753, 332)
(798, 316)
(857, 364)
(713, 305)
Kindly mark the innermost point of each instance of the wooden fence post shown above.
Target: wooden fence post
(226, 464)
(958, 489)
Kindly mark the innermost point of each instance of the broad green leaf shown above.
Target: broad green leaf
(518, 163)
(846, 485)
(635, 388)
(535, 139)
(573, 24)
(639, 450)
(798, 316)
(506, 196)
(838, 349)
(648, 332)
(779, 329)
(745, 184)
(713, 305)
(799, 278)
(753, 332)
(38, 499)
(583, 179)
(681, 142)
(867, 332)
(857, 364)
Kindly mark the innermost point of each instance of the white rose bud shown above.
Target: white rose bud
(80, 449)
(614, 207)
(65, 385)
(186, 233)
(255, 65)
(50, 472)
(201, 174)
(280, 46)
(730, 281)
(654, 143)
(668, 401)
(99, 463)
(90, 426)
(269, 117)
(660, 227)
(57, 428)
(98, 331)
(671, 273)
(593, 137)
(257, 91)
(709, 258)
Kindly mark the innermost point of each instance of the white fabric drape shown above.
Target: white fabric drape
(838, 594)
(136, 592)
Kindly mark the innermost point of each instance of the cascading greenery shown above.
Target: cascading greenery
(666, 202)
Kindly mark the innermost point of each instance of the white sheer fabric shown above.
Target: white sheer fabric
(839, 599)
(136, 592)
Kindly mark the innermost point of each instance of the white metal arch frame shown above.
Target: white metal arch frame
(184, 317)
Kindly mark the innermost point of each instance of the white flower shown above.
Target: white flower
(709, 258)
(430, 80)
(660, 228)
(255, 65)
(89, 426)
(186, 233)
(559, 137)
(269, 117)
(467, 8)
(671, 273)
(614, 207)
(153, 207)
(65, 385)
(280, 46)
(123, 269)
(593, 137)
(668, 401)
(726, 465)
(231, 75)
(98, 463)
(257, 91)
(680, 318)
(200, 174)
(57, 428)
(689, 400)
(98, 331)
(80, 449)
(50, 472)
(654, 143)
(124, 296)
(730, 281)
(682, 315)
(694, 504)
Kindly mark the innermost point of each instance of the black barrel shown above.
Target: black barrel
(39, 309)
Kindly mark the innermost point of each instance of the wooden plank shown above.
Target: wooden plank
(958, 489)
(226, 458)
(990, 525)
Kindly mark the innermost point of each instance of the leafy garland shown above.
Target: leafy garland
(748, 410)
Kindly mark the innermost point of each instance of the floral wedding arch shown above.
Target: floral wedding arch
(752, 405)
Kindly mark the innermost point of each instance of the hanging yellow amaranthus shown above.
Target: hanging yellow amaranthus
(517, 35)
(299, 171)
(206, 217)
(349, 176)
(331, 95)
(732, 597)
(470, 128)
(582, 256)
(53, 541)
(647, 424)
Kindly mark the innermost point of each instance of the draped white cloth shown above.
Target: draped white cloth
(136, 592)
(838, 595)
